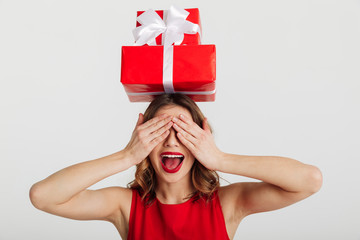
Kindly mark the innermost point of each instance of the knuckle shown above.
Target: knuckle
(142, 138)
(140, 134)
(143, 142)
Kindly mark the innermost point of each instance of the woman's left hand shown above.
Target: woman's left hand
(199, 141)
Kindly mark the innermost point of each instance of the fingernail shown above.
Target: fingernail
(181, 116)
(175, 119)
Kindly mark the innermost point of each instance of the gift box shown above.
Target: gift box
(194, 71)
(178, 65)
(189, 39)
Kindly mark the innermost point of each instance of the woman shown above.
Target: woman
(176, 192)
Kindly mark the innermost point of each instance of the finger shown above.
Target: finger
(185, 119)
(154, 120)
(188, 126)
(157, 125)
(160, 131)
(190, 122)
(159, 139)
(188, 136)
(186, 142)
(140, 119)
(206, 126)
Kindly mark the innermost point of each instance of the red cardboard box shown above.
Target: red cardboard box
(194, 71)
(189, 39)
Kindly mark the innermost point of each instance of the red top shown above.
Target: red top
(189, 220)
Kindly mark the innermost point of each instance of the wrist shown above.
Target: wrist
(221, 158)
(125, 158)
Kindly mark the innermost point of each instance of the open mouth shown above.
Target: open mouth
(171, 162)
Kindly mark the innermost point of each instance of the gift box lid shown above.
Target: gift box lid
(189, 39)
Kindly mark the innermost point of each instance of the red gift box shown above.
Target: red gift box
(194, 71)
(189, 39)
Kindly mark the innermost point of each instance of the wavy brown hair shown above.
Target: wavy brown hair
(204, 180)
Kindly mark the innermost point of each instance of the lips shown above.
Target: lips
(171, 162)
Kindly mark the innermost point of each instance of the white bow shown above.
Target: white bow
(172, 27)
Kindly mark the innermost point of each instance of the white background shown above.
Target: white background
(288, 83)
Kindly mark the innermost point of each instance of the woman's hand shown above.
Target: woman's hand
(146, 136)
(199, 141)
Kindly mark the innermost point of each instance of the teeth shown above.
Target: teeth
(172, 156)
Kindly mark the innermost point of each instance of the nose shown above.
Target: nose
(171, 140)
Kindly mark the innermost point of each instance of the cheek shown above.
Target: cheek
(153, 153)
(191, 160)
(152, 158)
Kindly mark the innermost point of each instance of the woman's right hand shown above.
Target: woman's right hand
(146, 136)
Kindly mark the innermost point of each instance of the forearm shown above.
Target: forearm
(66, 183)
(286, 173)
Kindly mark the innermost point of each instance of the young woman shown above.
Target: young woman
(176, 192)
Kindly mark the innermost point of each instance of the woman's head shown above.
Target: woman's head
(154, 169)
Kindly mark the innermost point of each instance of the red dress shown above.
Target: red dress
(190, 220)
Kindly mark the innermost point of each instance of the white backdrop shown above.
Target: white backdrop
(288, 85)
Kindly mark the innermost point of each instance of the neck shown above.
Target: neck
(174, 193)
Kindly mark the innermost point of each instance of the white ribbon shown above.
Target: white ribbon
(172, 29)
(182, 92)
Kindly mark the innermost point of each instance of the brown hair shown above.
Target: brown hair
(204, 180)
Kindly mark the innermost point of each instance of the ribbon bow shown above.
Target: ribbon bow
(173, 29)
